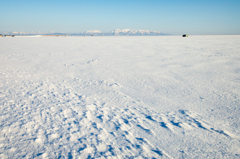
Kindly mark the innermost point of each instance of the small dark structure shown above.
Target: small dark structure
(9, 35)
(185, 35)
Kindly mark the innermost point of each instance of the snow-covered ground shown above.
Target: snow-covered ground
(120, 97)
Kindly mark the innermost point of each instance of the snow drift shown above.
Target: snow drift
(120, 97)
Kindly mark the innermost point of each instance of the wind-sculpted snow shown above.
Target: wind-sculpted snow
(64, 102)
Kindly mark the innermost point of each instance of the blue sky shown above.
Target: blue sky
(167, 16)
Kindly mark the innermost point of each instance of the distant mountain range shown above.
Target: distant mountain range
(117, 32)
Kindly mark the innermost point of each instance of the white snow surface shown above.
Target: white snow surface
(120, 97)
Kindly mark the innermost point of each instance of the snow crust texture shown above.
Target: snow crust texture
(120, 97)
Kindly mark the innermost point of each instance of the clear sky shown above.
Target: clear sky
(166, 16)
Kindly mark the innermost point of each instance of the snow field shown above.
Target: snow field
(120, 97)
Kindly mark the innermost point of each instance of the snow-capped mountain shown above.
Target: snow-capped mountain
(93, 32)
(33, 33)
(117, 32)
(135, 32)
